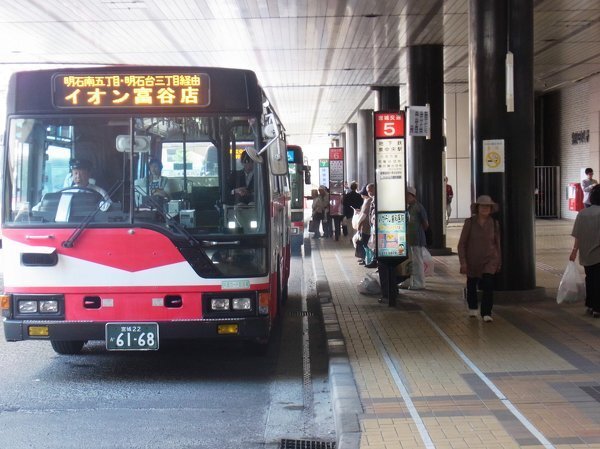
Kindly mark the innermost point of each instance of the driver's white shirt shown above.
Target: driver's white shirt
(105, 204)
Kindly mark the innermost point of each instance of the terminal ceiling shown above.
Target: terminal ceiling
(316, 59)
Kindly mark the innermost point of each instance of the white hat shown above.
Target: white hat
(412, 191)
(485, 200)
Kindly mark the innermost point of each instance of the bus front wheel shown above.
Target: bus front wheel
(67, 347)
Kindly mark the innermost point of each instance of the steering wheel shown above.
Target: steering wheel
(80, 190)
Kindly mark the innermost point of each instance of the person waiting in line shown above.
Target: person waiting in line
(416, 226)
(352, 202)
(328, 219)
(154, 184)
(320, 210)
(242, 181)
(587, 184)
(480, 255)
(364, 221)
(586, 231)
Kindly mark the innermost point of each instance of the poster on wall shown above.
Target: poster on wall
(493, 156)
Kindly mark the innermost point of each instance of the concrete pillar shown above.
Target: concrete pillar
(424, 165)
(387, 98)
(364, 146)
(350, 155)
(496, 26)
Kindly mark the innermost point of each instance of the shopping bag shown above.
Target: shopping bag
(369, 285)
(371, 242)
(369, 256)
(313, 226)
(357, 218)
(427, 262)
(572, 286)
(428, 265)
(356, 239)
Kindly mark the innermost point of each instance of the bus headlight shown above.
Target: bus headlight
(219, 304)
(48, 306)
(242, 304)
(28, 306)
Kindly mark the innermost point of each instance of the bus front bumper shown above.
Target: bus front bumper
(248, 329)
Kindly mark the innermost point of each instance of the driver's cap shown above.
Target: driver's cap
(81, 164)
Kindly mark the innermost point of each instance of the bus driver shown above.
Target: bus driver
(81, 170)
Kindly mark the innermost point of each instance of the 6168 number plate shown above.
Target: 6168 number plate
(131, 336)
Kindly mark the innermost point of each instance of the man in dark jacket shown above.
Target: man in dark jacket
(351, 201)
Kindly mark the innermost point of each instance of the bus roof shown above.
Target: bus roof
(134, 90)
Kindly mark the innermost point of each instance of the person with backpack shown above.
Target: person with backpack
(480, 255)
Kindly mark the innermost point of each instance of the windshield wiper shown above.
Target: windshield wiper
(87, 220)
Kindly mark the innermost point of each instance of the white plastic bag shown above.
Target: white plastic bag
(356, 238)
(572, 286)
(427, 262)
(369, 285)
(357, 218)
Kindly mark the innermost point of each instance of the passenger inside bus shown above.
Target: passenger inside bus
(154, 185)
(242, 181)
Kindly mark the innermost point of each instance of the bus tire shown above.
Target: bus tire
(67, 347)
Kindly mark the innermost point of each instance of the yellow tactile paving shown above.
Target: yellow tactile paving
(522, 361)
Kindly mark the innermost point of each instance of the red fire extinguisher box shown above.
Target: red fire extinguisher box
(575, 196)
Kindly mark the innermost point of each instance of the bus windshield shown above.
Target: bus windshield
(168, 172)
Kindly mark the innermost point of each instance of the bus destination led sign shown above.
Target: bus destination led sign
(131, 90)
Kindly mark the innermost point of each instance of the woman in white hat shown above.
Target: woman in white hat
(480, 255)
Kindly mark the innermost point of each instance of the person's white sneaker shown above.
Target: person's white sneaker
(473, 312)
(488, 319)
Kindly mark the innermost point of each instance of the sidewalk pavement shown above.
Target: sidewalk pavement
(424, 374)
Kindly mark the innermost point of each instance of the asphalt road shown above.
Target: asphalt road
(192, 395)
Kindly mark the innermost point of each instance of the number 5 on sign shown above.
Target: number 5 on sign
(389, 124)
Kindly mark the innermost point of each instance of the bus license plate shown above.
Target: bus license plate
(132, 336)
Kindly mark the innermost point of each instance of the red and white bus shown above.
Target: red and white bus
(130, 258)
